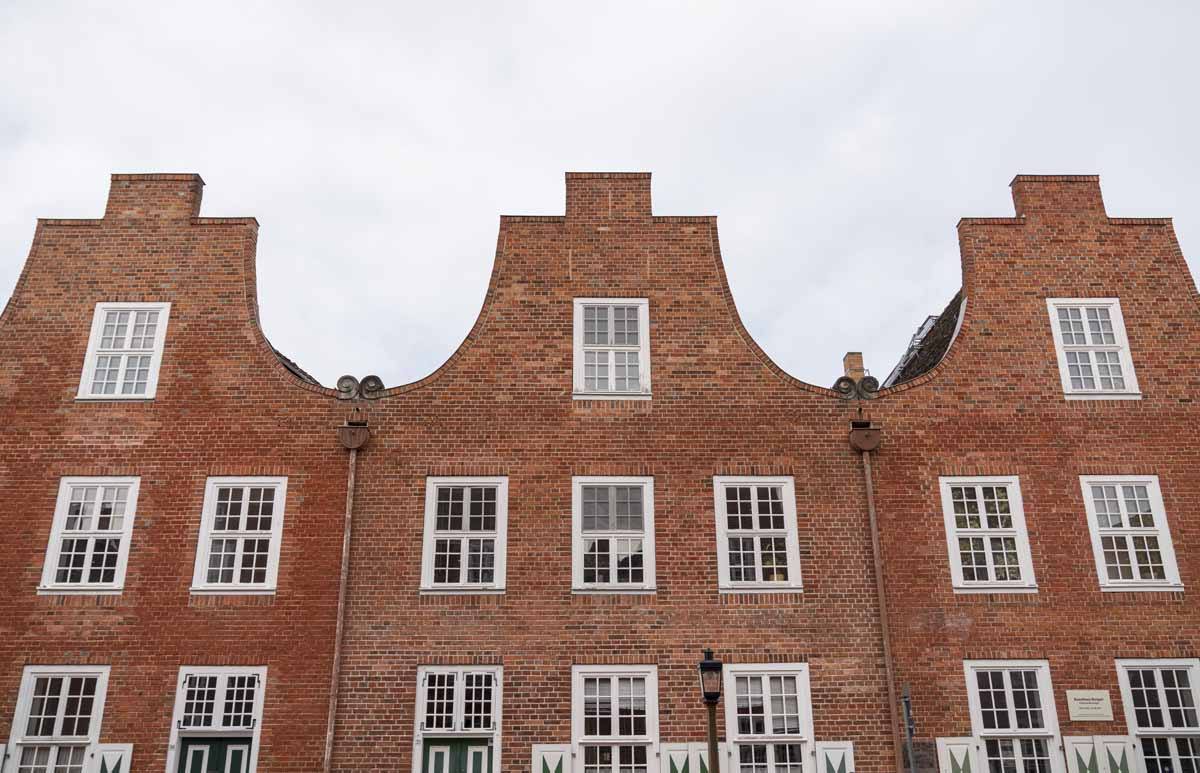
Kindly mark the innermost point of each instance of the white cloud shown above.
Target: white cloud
(839, 144)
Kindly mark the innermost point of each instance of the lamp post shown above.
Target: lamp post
(710, 688)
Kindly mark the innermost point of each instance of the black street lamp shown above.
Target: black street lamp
(710, 689)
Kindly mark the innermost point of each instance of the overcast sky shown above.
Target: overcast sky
(377, 144)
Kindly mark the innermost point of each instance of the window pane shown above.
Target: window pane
(965, 501)
(481, 561)
(597, 707)
(199, 699)
(43, 710)
(631, 706)
(1143, 688)
(751, 712)
(597, 558)
(239, 700)
(477, 703)
(993, 702)
(742, 560)
(1108, 509)
(752, 758)
(785, 706)
(439, 701)
(739, 508)
(447, 561)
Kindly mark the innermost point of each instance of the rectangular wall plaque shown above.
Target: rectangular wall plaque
(1089, 706)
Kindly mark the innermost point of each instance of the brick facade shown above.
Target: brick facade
(502, 405)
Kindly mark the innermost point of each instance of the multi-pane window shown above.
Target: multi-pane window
(757, 544)
(615, 717)
(1093, 353)
(985, 534)
(613, 522)
(241, 529)
(612, 351)
(1161, 700)
(768, 717)
(58, 718)
(1130, 538)
(459, 700)
(124, 351)
(219, 701)
(1012, 712)
(465, 527)
(89, 539)
(218, 709)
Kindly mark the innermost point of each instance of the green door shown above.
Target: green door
(214, 755)
(456, 755)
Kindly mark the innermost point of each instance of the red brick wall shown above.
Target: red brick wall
(502, 405)
(225, 406)
(995, 407)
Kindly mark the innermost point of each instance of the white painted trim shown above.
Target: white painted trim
(200, 586)
(648, 585)
(651, 740)
(795, 581)
(1123, 666)
(1045, 692)
(1028, 582)
(1161, 530)
(578, 390)
(48, 585)
(803, 696)
(1131, 391)
(494, 736)
(176, 732)
(430, 535)
(89, 360)
(20, 721)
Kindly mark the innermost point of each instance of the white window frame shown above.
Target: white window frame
(578, 538)
(1192, 665)
(200, 584)
(806, 738)
(1050, 732)
(17, 737)
(1121, 344)
(430, 536)
(177, 733)
(650, 740)
(93, 350)
(1161, 530)
(1028, 582)
(493, 736)
(580, 392)
(58, 532)
(795, 581)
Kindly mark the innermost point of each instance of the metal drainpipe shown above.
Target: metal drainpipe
(865, 438)
(353, 435)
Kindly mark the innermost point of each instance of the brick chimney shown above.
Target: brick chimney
(154, 196)
(608, 195)
(852, 364)
(1057, 194)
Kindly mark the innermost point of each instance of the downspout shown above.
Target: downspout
(353, 435)
(865, 438)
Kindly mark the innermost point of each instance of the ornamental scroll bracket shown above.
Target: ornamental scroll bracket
(350, 388)
(866, 388)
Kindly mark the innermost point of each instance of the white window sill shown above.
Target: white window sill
(1157, 587)
(588, 590)
(610, 395)
(462, 591)
(977, 589)
(232, 591)
(114, 398)
(763, 589)
(1103, 395)
(75, 590)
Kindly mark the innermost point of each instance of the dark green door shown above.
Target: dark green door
(456, 755)
(214, 755)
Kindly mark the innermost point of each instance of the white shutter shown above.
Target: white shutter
(551, 758)
(1117, 754)
(835, 756)
(675, 758)
(958, 755)
(1081, 754)
(3, 757)
(699, 757)
(111, 758)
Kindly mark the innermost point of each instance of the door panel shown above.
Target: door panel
(214, 755)
(456, 755)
